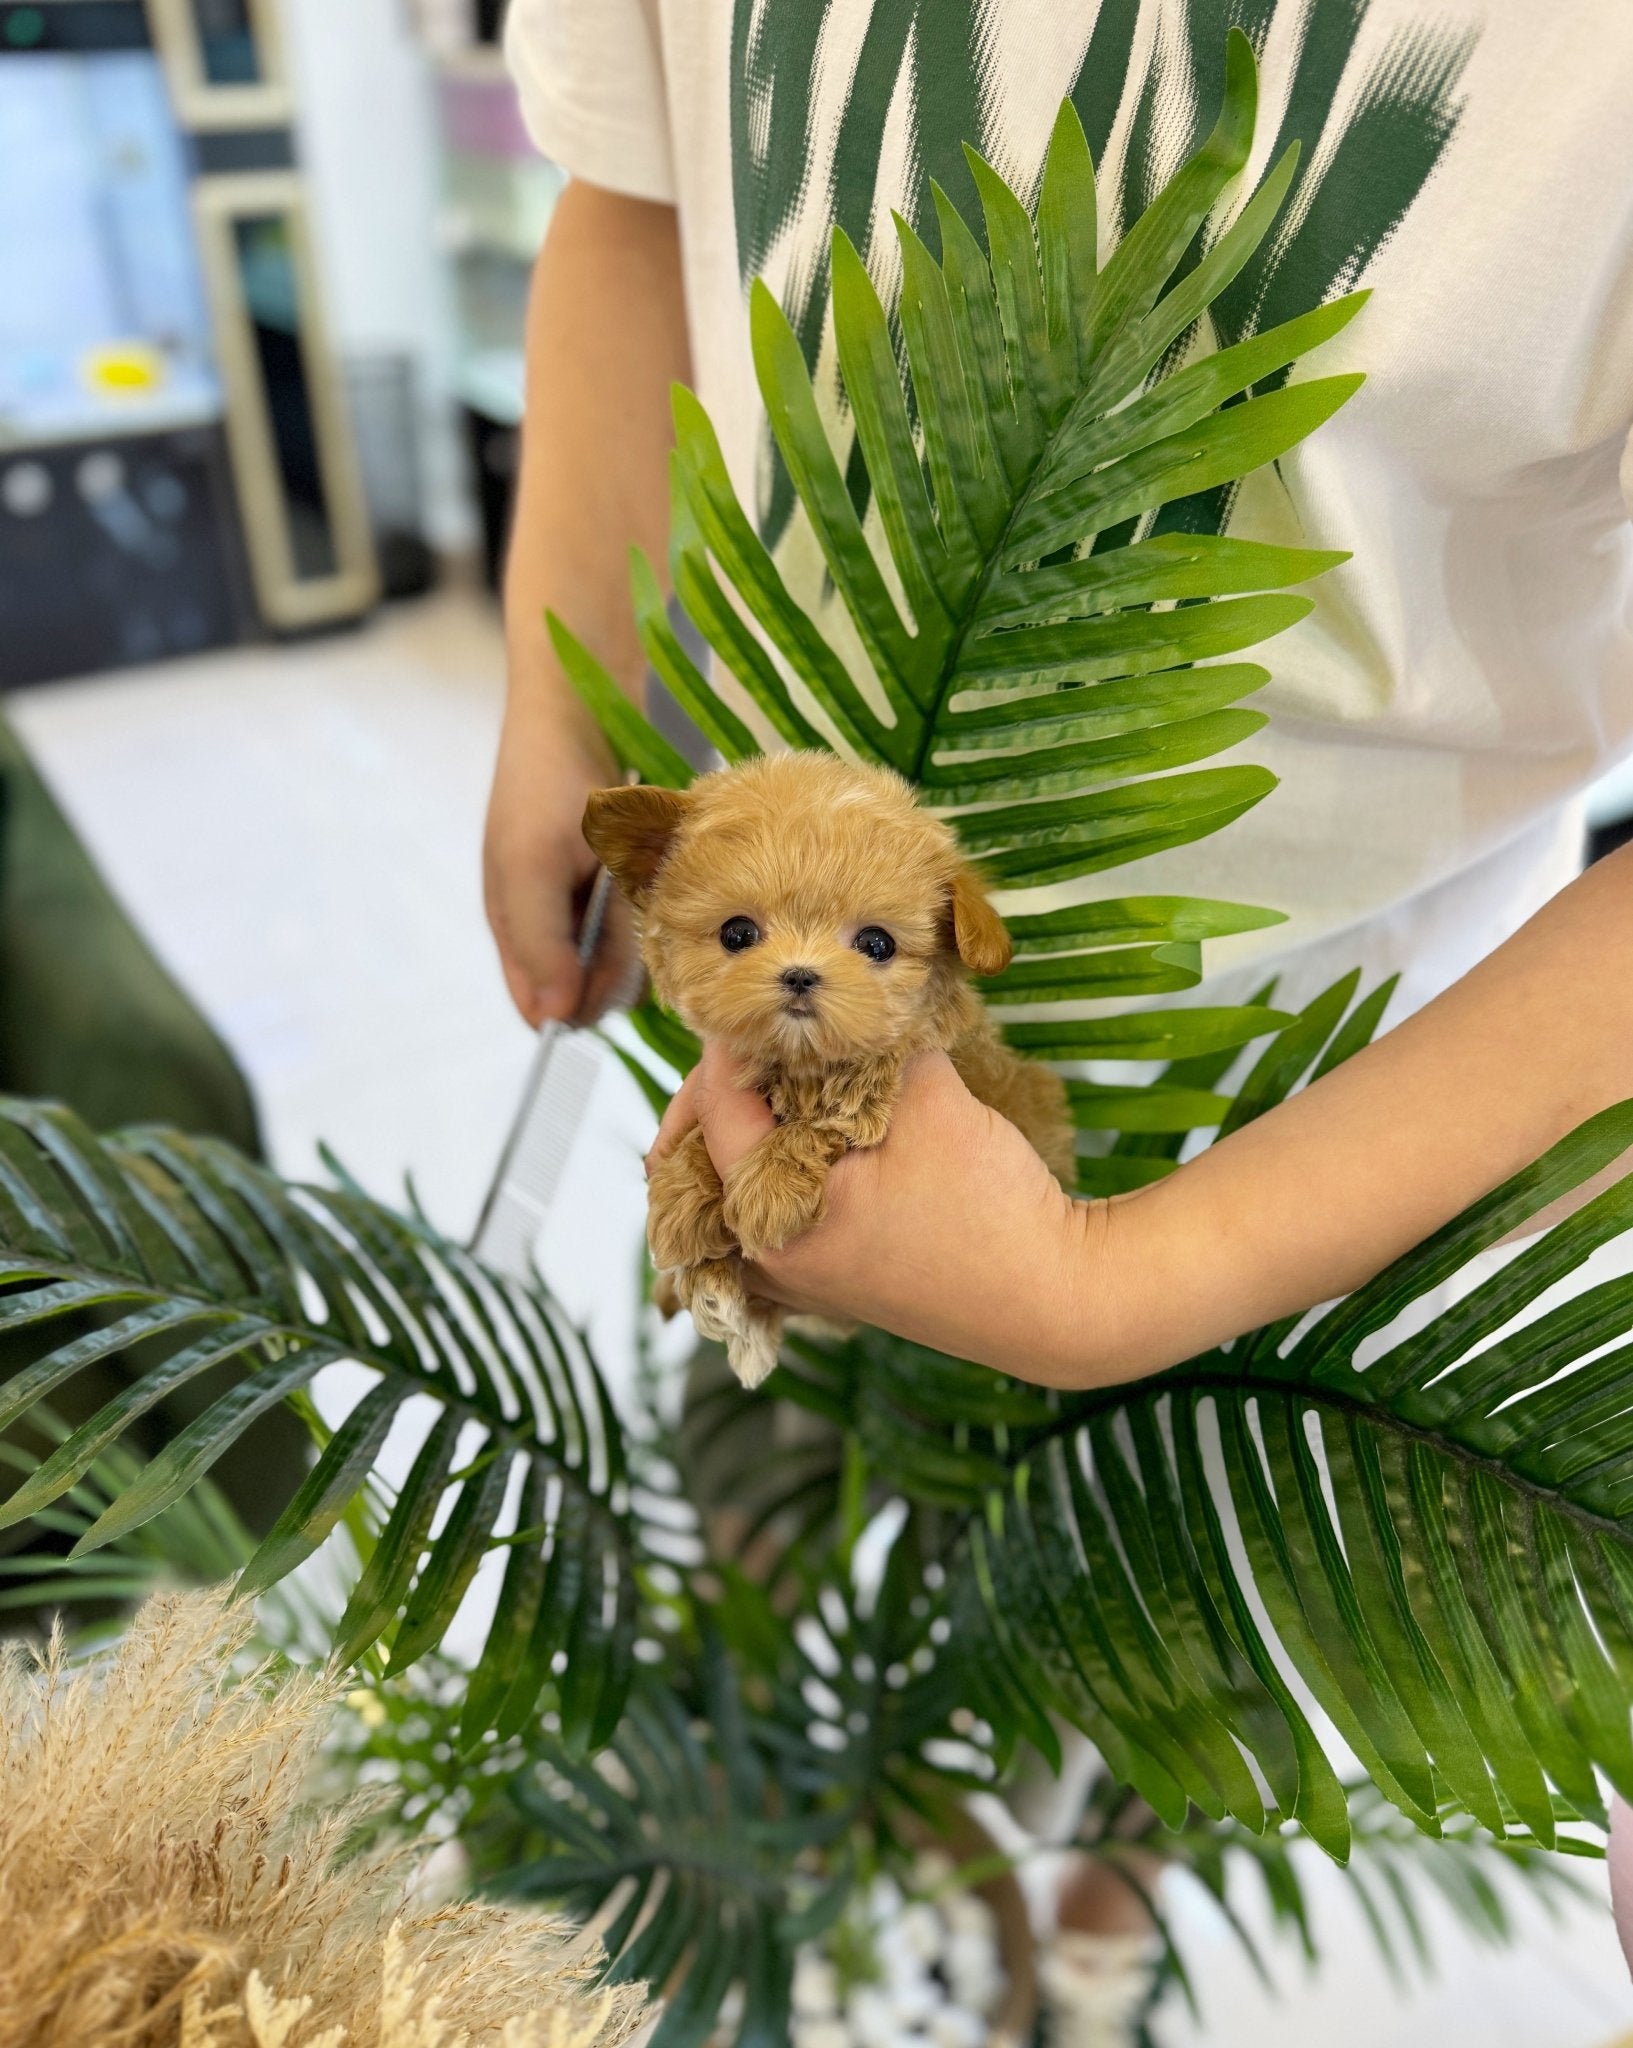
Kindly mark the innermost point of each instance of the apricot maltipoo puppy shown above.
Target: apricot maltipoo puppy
(811, 916)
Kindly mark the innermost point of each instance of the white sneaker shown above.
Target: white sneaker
(1095, 1987)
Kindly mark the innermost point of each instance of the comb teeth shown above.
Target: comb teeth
(537, 1154)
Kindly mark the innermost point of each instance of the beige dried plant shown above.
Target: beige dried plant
(162, 1885)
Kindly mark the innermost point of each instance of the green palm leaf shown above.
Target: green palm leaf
(723, 1823)
(1047, 678)
(1436, 1537)
(679, 1833)
(204, 1264)
(1436, 1533)
(198, 1540)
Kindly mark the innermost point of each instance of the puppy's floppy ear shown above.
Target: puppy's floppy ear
(978, 931)
(629, 831)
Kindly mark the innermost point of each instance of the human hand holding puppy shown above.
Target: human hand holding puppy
(911, 1198)
(951, 1231)
(812, 917)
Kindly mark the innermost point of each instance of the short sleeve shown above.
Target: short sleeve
(1627, 474)
(591, 78)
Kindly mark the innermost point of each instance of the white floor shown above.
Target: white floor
(298, 832)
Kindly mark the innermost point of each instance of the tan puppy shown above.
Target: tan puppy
(811, 916)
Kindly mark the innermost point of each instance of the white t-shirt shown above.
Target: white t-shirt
(1470, 672)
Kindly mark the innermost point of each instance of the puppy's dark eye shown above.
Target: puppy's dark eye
(737, 934)
(876, 943)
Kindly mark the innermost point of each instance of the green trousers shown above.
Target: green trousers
(91, 1018)
(88, 1016)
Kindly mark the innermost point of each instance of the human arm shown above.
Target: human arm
(951, 1232)
(606, 337)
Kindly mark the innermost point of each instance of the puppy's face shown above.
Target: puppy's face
(797, 907)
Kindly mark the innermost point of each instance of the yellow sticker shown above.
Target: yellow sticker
(125, 369)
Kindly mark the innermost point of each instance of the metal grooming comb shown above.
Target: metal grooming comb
(553, 1103)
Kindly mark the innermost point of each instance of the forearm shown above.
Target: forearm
(952, 1233)
(606, 338)
(1322, 1193)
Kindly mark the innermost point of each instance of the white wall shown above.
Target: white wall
(369, 145)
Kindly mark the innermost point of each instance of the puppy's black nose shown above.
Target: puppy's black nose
(799, 981)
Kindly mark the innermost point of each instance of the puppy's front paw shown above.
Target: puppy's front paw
(772, 1197)
(726, 1313)
(753, 1350)
(684, 1223)
(713, 1294)
(870, 1125)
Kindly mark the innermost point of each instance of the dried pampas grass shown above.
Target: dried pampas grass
(160, 1886)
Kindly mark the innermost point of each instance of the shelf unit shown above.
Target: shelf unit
(498, 195)
(177, 467)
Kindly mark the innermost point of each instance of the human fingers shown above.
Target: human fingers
(734, 1117)
(537, 870)
(615, 977)
(530, 889)
(678, 1118)
(886, 1205)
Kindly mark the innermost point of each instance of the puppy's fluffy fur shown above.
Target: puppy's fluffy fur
(753, 890)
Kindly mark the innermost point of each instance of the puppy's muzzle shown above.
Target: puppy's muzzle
(799, 985)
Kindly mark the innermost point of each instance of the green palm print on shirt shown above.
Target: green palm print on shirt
(1401, 117)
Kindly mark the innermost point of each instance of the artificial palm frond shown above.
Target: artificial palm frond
(210, 1265)
(1047, 677)
(752, 1789)
(1432, 1530)
(1038, 669)
(1436, 1530)
(1150, 1125)
(1438, 1535)
(667, 1829)
(752, 1781)
(198, 1540)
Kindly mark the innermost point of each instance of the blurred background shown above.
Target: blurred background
(263, 267)
(263, 270)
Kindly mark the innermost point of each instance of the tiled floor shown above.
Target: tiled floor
(298, 831)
